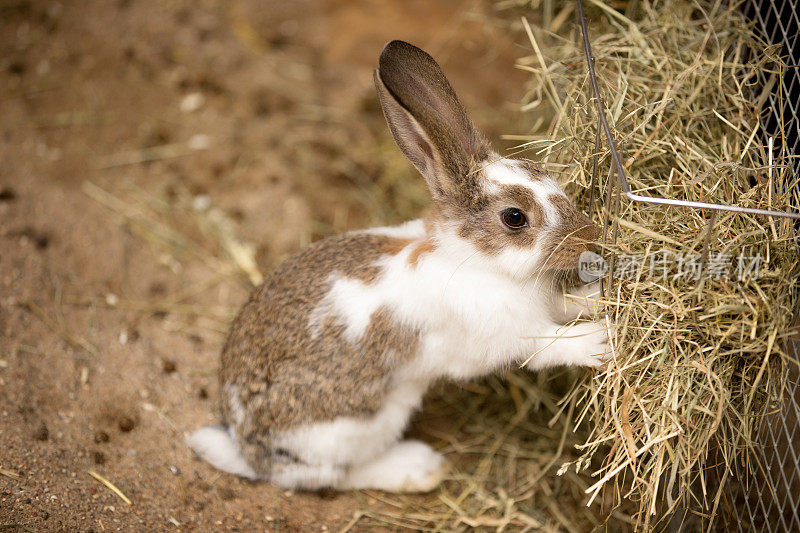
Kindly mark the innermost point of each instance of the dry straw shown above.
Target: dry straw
(700, 355)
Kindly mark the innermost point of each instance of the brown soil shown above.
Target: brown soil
(258, 115)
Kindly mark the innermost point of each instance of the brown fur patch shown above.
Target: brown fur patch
(283, 374)
(575, 234)
(421, 248)
(394, 246)
(521, 197)
(385, 338)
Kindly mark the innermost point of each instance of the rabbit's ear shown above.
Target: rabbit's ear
(427, 121)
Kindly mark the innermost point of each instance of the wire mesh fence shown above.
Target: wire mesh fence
(765, 494)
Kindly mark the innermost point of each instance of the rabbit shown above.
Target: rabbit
(329, 358)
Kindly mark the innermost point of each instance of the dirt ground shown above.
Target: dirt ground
(144, 144)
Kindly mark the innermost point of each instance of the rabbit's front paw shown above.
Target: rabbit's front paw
(583, 344)
(591, 346)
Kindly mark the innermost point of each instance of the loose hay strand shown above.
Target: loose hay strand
(110, 485)
(699, 361)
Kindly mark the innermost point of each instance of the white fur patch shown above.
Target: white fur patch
(413, 229)
(302, 476)
(351, 302)
(216, 445)
(236, 408)
(354, 303)
(507, 172)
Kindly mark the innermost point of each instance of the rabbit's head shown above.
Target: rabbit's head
(511, 211)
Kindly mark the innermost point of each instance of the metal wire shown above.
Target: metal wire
(763, 495)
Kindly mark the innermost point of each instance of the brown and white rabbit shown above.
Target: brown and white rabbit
(332, 354)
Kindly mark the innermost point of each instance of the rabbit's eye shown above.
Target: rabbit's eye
(514, 218)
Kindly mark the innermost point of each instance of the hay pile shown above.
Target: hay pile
(699, 343)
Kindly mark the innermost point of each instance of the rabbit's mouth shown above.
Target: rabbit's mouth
(567, 257)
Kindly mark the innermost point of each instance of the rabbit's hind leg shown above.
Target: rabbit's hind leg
(354, 453)
(408, 466)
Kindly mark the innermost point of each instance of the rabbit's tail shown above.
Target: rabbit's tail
(219, 447)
